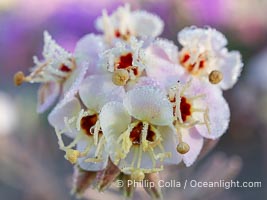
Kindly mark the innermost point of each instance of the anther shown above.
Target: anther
(182, 148)
(120, 77)
(19, 78)
(137, 175)
(72, 155)
(215, 77)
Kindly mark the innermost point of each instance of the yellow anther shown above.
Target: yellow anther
(138, 175)
(182, 148)
(120, 77)
(19, 78)
(72, 155)
(215, 77)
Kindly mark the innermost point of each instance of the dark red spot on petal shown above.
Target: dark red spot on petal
(185, 108)
(201, 64)
(185, 58)
(124, 36)
(191, 67)
(135, 70)
(136, 134)
(87, 122)
(117, 33)
(125, 61)
(65, 68)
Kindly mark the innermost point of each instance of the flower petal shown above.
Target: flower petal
(149, 104)
(114, 119)
(71, 85)
(195, 141)
(147, 24)
(97, 90)
(218, 111)
(64, 109)
(47, 95)
(231, 69)
(169, 137)
(202, 37)
(166, 73)
(164, 49)
(87, 50)
(91, 166)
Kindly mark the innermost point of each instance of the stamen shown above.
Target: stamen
(164, 154)
(207, 120)
(215, 77)
(86, 151)
(196, 97)
(96, 132)
(59, 137)
(75, 141)
(79, 118)
(144, 136)
(100, 146)
(137, 175)
(98, 152)
(19, 78)
(178, 113)
(120, 77)
(182, 148)
(72, 155)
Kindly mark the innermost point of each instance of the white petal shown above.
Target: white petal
(47, 95)
(164, 49)
(147, 24)
(144, 81)
(149, 104)
(169, 145)
(165, 72)
(202, 37)
(219, 112)
(71, 85)
(146, 162)
(64, 109)
(54, 52)
(97, 90)
(195, 141)
(91, 166)
(169, 136)
(114, 119)
(88, 50)
(231, 69)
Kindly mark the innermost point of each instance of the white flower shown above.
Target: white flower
(125, 61)
(81, 121)
(58, 71)
(123, 24)
(204, 52)
(200, 111)
(139, 131)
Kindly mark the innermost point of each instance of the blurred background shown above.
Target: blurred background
(32, 166)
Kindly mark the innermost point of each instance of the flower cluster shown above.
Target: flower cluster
(132, 100)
